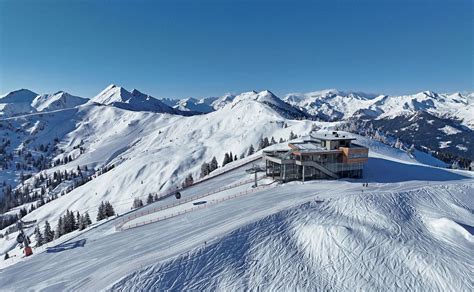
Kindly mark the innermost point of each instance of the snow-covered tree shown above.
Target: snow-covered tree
(48, 233)
(137, 203)
(59, 229)
(149, 199)
(87, 219)
(263, 143)
(101, 212)
(205, 170)
(226, 159)
(251, 150)
(109, 210)
(292, 136)
(38, 237)
(213, 165)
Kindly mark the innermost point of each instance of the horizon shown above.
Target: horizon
(180, 49)
(2, 94)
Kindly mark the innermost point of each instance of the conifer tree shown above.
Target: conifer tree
(81, 225)
(149, 199)
(137, 203)
(59, 228)
(251, 150)
(205, 169)
(109, 210)
(78, 220)
(292, 135)
(213, 165)
(87, 219)
(226, 159)
(48, 233)
(38, 237)
(101, 212)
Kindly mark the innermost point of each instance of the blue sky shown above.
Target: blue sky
(207, 48)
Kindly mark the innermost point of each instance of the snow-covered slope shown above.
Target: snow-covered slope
(410, 229)
(151, 152)
(371, 241)
(17, 102)
(350, 232)
(56, 101)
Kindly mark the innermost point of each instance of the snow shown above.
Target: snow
(135, 101)
(448, 130)
(17, 102)
(56, 101)
(444, 144)
(331, 234)
(334, 105)
(448, 229)
(366, 237)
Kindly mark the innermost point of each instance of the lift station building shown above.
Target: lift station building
(321, 155)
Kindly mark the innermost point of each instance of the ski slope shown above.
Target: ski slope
(328, 234)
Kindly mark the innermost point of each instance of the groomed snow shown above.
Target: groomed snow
(363, 238)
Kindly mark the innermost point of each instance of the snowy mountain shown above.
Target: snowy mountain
(24, 101)
(331, 104)
(134, 101)
(266, 97)
(194, 105)
(17, 102)
(336, 105)
(427, 130)
(56, 101)
(203, 105)
(75, 158)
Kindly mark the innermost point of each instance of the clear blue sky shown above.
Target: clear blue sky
(207, 48)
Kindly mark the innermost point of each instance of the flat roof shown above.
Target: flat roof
(334, 136)
(308, 146)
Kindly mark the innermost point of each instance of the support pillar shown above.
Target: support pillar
(303, 173)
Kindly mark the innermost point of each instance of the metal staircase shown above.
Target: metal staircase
(319, 167)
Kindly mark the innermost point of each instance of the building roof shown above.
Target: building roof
(308, 147)
(330, 136)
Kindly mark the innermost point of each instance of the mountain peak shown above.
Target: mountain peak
(19, 96)
(136, 92)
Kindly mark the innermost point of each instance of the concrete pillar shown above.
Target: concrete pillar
(303, 173)
(283, 173)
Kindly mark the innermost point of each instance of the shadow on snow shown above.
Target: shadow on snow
(66, 246)
(386, 171)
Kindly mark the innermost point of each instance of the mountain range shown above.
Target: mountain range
(60, 155)
(448, 118)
